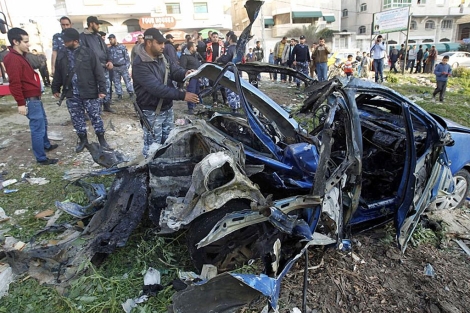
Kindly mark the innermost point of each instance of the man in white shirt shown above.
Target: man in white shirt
(411, 59)
(378, 53)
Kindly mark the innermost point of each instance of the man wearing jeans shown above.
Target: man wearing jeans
(281, 56)
(378, 52)
(25, 86)
(321, 60)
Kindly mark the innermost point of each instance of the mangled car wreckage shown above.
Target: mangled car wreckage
(259, 185)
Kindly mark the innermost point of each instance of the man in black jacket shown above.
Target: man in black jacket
(233, 99)
(190, 60)
(86, 88)
(419, 59)
(152, 74)
(92, 39)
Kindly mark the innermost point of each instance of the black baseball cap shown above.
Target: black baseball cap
(302, 37)
(111, 36)
(168, 36)
(153, 33)
(93, 19)
(70, 34)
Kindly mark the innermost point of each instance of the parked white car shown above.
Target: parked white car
(456, 58)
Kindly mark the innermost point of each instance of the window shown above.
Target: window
(428, 40)
(200, 7)
(345, 12)
(362, 30)
(363, 7)
(446, 24)
(429, 25)
(132, 25)
(421, 2)
(173, 8)
(388, 4)
(413, 25)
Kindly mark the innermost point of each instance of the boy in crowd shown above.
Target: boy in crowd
(442, 72)
(347, 66)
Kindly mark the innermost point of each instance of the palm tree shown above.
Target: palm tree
(311, 33)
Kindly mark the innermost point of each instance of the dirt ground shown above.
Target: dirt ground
(375, 278)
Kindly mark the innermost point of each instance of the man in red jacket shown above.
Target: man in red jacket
(25, 86)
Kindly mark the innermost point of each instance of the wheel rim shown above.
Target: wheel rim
(452, 200)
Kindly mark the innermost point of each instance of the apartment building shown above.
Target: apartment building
(432, 21)
(127, 18)
(278, 17)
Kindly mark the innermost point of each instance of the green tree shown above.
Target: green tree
(311, 33)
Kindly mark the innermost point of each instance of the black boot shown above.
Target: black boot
(102, 141)
(82, 143)
(107, 107)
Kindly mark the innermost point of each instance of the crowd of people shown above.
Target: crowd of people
(84, 68)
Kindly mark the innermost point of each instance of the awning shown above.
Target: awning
(329, 18)
(440, 47)
(452, 46)
(306, 14)
(463, 20)
(268, 21)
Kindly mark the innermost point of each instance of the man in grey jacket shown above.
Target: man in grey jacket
(152, 74)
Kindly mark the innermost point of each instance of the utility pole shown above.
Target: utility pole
(406, 44)
(261, 18)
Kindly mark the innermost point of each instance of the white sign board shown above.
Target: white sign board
(390, 21)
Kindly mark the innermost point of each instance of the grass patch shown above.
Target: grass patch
(37, 198)
(455, 107)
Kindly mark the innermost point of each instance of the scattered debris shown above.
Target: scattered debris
(429, 270)
(11, 243)
(208, 271)
(3, 216)
(462, 245)
(6, 277)
(56, 136)
(7, 191)
(151, 288)
(37, 181)
(9, 182)
(44, 213)
(19, 212)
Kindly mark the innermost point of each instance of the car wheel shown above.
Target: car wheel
(227, 253)
(458, 196)
(455, 65)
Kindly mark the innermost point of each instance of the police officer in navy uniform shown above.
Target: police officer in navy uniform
(301, 58)
(121, 62)
(86, 89)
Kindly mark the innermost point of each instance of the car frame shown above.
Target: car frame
(259, 185)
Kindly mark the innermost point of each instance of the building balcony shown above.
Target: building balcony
(464, 10)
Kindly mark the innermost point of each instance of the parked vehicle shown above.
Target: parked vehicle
(456, 58)
(339, 57)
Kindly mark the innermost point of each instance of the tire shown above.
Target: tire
(455, 65)
(455, 199)
(229, 252)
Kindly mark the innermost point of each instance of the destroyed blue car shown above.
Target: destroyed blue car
(255, 184)
(261, 185)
